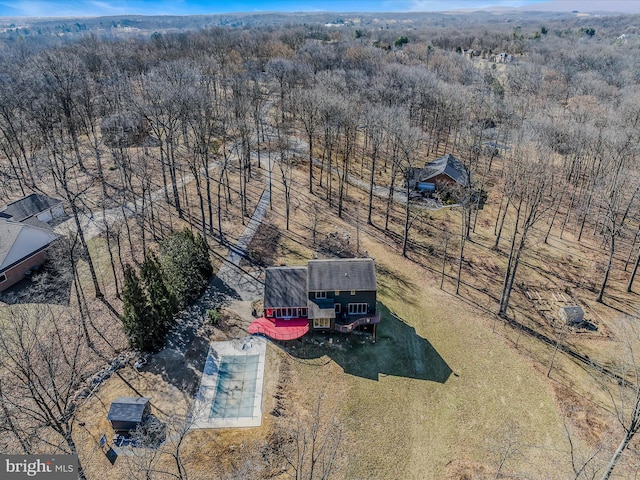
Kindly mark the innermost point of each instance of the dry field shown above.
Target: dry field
(444, 391)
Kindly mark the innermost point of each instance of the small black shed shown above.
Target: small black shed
(126, 413)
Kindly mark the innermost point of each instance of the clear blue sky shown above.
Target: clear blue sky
(59, 8)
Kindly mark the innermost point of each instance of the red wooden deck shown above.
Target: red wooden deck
(279, 329)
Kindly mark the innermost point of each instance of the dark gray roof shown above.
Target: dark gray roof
(343, 274)
(447, 164)
(29, 206)
(127, 409)
(285, 287)
(319, 308)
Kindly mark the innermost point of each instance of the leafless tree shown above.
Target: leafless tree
(505, 446)
(376, 121)
(315, 215)
(307, 105)
(286, 164)
(586, 464)
(624, 393)
(618, 193)
(533, 196)
(45, 361)
(316, 444)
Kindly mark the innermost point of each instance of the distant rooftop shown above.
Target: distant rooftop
(447, 165)
(29, 206)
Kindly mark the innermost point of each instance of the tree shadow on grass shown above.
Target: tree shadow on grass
(391, 281)
(398, 351)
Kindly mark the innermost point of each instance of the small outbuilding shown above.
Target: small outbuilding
(571, 315)
(127, 413)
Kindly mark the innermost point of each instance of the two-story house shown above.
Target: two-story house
(331, 295)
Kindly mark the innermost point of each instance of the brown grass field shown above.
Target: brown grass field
(445, 388)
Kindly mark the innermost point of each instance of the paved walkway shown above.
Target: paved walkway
(246, 286)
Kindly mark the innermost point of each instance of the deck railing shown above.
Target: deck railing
(349, 327)
(276, 335)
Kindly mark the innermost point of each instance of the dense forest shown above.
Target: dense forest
(179, 121)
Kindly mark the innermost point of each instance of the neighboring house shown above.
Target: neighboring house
(22, 248)
(446, 170)
(335, 295)
(34, 206)
(127, 413)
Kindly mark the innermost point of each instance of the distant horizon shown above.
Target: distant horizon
(99, 8)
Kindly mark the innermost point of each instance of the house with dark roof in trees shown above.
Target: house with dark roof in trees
(328, 295)
(33, 208)
(446, 170)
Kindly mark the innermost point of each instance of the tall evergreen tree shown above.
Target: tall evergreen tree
(162, 302)
(204, 261)
(137, 315)
(185, 261)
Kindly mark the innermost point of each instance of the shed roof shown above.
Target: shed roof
(29, 206)
(572, 309)
(448, 165)
(285, 287)
(342, 274)
(127, 409)
(19, 241)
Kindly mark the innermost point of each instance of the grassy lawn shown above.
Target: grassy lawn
(433, 396)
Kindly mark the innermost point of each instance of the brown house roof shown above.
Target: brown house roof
(342, 274)
(285, 287)
(446, 165)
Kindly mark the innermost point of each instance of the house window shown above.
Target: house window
(3, 278)
(286, 312)
(337, 307)
(321, 295)
(353, 292)
(302, 312)
(357, 308)
(321, 323)
(337, 292)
